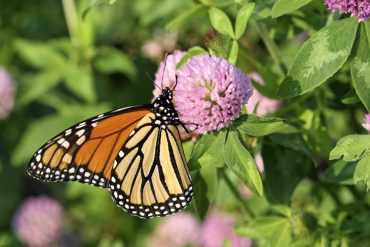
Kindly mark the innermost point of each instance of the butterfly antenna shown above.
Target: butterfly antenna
(150, 78)
(175, 82)
(164, 69)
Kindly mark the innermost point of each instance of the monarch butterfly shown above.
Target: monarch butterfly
(134, 151)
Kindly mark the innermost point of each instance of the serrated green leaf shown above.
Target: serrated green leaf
(194, 51)
(340, 172)
(184, 17)
(282, 7)
(259, 126)
(233, 56)
(351, 148)
(111, 60)
(350, 98)
(221, 22)
(362, 172)
(242, 19)
(239, 160)
(360, 67)
(319, 58)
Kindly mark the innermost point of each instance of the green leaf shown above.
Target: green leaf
(112, 60)
(206, 183)
(39, 55)
(295, 142)
(242, 19)
(350, 98)
(340, 172)
(282, 7)
(233, 56)
(38, 84)
(360, 67)
(239, 160)
(351, 147)
(221, 22)
(194, 51)
(45, 128)
(362, 172)
(80, 82)
(319, 58)
(276, 229)
(209, 150)
(184, 17)
(259, 126)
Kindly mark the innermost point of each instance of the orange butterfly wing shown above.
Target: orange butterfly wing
(86, 151)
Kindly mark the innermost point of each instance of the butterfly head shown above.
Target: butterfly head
(164, 109)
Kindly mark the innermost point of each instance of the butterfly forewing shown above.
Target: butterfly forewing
(86, 151)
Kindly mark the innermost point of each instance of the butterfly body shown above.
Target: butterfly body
(135, 152)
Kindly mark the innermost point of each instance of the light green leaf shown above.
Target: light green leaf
(242, 19)
(194, 51)
(362, 172)
(239, 160)
(340, 172)
(36, 85)
(360, 68)
(282, 7)
(39, 55)
(184, 17)
(350, 98)
(217, 3)
(319, 58)
(233, 56)
(111, 60)
(221, 22)
(259, 126)
(209, 150)
(274, 228)
(351, 148)
(367, 28)
(80, 82)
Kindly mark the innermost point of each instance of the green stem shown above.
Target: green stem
(236, 193)
(271, 46)
(70, 14)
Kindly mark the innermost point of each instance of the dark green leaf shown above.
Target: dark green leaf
(112, 60)
(239, 160)
(221, 22)
(351, 148)
(259, 126)
(242, 19)
(360, 68)
(184, 17)
(319, 58)
(350, 98)
(295, 142)
(362, 172)
(282, 7)
(340, 172)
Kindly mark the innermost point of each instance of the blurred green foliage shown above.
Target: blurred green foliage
(74, 59)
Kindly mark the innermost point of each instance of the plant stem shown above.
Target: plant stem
(270, 45)
(236, 193)
(70, 14)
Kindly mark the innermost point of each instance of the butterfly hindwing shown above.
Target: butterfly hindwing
(150, 177)
(86, 151)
